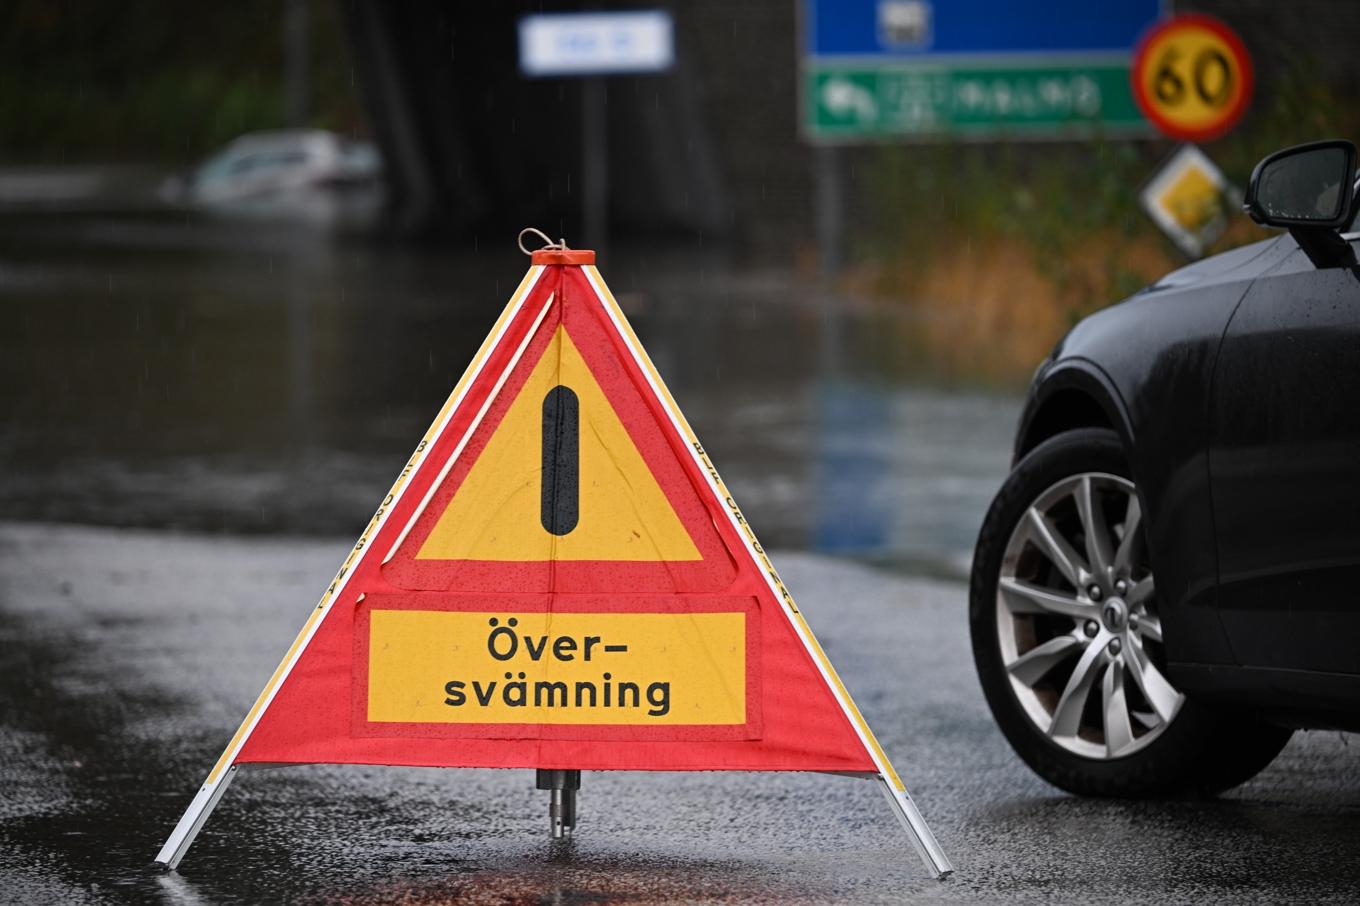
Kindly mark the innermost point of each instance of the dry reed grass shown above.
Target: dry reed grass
(988, 310)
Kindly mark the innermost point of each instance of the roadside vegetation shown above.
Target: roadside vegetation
(998, 249)
(147, 81)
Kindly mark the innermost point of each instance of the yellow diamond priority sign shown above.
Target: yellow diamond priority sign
(1187, 200)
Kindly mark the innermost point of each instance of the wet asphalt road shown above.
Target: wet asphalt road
(127, 658)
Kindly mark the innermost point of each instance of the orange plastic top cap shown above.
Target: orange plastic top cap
(563, 256)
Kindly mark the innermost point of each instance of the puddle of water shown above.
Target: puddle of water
(247, 378)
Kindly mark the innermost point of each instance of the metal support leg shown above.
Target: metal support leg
(182, 837)
(926, 845)
(562, 804)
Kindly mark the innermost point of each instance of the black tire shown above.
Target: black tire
(1202, 751)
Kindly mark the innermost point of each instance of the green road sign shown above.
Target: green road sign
(859, 101)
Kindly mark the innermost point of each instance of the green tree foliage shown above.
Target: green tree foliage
(155, 79)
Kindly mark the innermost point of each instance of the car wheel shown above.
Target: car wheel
(1068, 641)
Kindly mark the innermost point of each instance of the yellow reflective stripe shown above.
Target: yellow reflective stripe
(485, 349)
(260, 700)
(848, 703)
(317, 612)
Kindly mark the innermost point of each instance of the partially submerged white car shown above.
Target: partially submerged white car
(279, 172)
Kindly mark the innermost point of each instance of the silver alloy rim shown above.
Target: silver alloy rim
(1077, 620)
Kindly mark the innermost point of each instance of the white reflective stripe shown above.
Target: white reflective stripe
(414, 465)
(922, 838)
(472, 428)
(182, 837)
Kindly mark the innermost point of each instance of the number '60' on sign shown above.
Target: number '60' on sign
(1192, 77)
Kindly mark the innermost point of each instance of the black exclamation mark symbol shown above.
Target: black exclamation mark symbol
(560, 505)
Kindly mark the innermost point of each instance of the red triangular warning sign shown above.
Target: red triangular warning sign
(558, 570)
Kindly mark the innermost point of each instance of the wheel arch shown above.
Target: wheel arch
(1072, 393)
(1181, 536)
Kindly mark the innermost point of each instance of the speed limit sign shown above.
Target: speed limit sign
(1192, 77)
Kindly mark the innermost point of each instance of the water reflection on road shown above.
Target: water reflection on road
(246, 378)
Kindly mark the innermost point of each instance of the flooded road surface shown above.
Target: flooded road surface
(221, 376)
(127, 659)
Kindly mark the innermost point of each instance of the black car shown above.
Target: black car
(1168, 583)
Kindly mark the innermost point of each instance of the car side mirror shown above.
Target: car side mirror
(1310, 190)
(1307, 185)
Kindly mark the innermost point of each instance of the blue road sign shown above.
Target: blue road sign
(971, 68)
(922, 28)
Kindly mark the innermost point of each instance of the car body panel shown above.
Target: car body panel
(1285, 460)
(1293, 698)
(1232, 383)
(1156, 353)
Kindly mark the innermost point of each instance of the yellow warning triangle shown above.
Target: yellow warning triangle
(623, 513)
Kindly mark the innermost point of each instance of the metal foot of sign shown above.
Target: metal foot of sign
(195, 816)
(927, 847)
(564, 785)
(559, 580)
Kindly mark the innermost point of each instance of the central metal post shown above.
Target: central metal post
(830, 212)
(562, 803)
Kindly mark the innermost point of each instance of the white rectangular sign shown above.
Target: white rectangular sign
(560, 44)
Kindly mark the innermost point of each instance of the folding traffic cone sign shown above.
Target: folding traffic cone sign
(558, 580)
